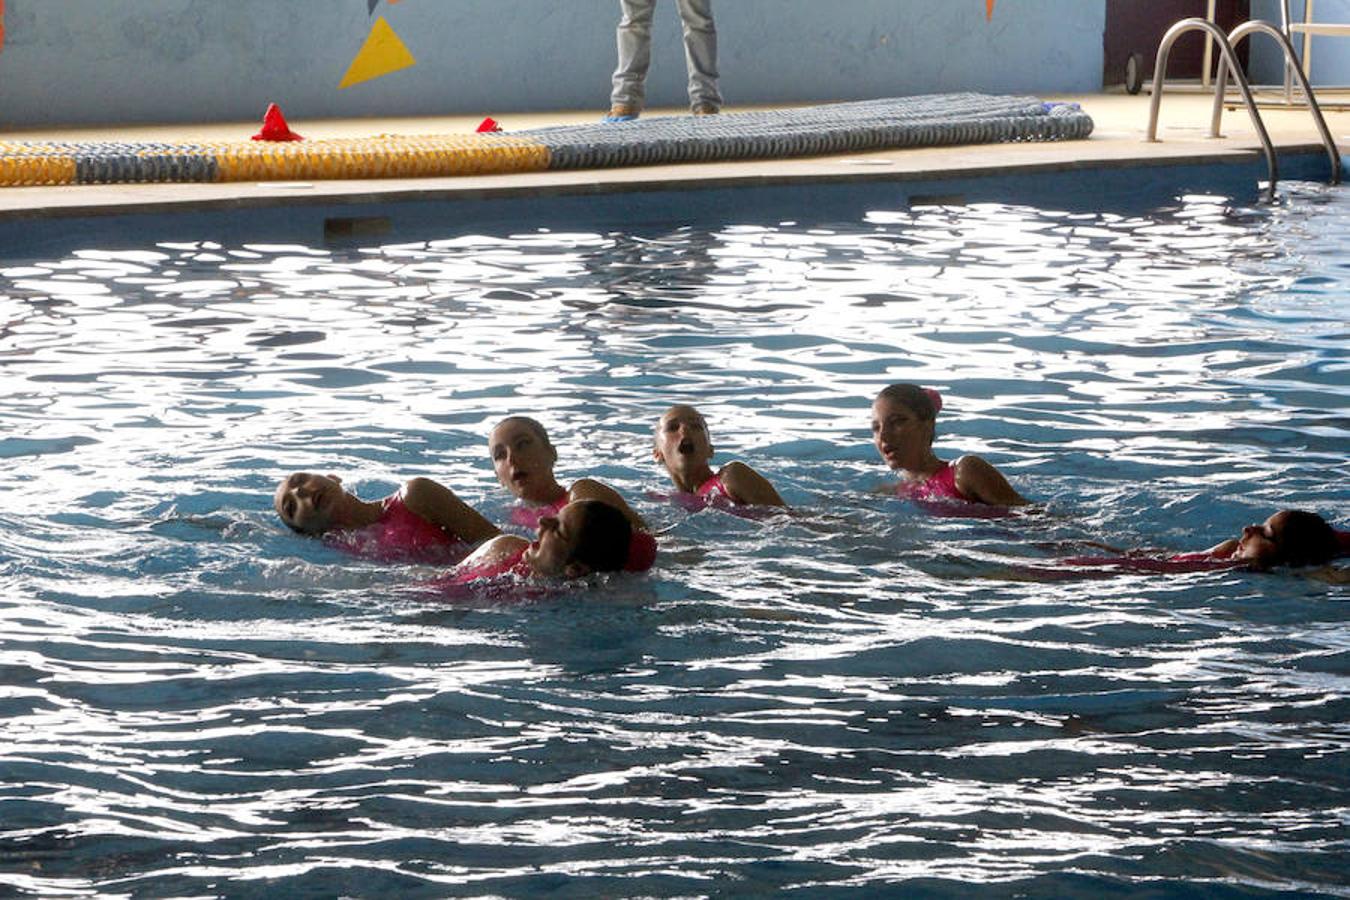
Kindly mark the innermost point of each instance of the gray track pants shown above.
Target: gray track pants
(635, 52)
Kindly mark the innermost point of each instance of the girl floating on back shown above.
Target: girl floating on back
(586, 536)
(424, 521)
(904, 418)
(1291, 537)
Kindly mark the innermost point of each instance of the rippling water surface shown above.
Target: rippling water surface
(197, 703)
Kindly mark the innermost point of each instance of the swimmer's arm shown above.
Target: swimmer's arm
(980, 481)
(748, 486)
(1223, 550)
(438, 504)
(503, 546)
(1330, 574)
(590, 489)
(1098, 545)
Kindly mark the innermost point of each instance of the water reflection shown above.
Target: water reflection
(197, 700)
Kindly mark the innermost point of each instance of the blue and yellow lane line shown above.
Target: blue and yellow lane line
(29, 163)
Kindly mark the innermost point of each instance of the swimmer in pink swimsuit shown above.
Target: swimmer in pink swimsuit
(586, 536)
(424, 521)
(523, 458)
(685, 449)
(904, 418)
(1290, 537)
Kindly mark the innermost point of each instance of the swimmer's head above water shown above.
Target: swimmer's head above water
(683, 445)
(523, 458)
(904, 422)
(314, 504)
(586, 536)
(1290, 537)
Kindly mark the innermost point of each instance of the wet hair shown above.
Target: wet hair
(1305, 539)
(532, 424)
(603, 536)
(656, 429)
(925, 403)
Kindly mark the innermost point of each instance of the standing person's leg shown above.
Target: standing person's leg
(635, 56)
(700, 55)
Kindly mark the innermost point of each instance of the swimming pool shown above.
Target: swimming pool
(196, 702)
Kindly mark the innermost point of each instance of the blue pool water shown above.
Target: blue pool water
(196, 702)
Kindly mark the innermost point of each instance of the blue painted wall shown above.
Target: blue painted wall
(81, 61)
(1330, 55)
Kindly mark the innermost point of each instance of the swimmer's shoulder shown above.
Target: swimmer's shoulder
(1223, 549)
(980, 481)
(590, 489)
(500, 548)
(420, 495)
(748, 486)
(436, 503)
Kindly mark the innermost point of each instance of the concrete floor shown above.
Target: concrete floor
(1118, 141)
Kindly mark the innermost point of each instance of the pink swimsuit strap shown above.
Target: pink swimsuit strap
(714, 486)
(941, 485)
(1195, 556)
(529, 516)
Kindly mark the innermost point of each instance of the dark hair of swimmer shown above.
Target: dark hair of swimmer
(925, 403)
(603, 536)
(532, 424)
(1305, 539)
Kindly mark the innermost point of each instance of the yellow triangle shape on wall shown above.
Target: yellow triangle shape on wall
(381, 54)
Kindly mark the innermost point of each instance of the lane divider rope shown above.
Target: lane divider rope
(926, 121)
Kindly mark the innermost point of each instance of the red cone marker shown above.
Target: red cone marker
(274, 127)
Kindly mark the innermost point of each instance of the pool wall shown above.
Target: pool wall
(382, 219)
(79, 62)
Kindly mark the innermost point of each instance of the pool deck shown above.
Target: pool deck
(1117, 141)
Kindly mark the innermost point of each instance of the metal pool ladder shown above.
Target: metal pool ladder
(1227, 61)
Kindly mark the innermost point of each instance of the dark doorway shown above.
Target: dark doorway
(1135, 28)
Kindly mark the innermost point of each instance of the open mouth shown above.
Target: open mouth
(686, 446)
(520, 477)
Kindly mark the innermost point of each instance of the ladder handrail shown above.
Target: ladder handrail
(1246, 29)
(1226, 52)
(1284, 27)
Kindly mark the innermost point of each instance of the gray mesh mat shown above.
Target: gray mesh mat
(926, 121)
